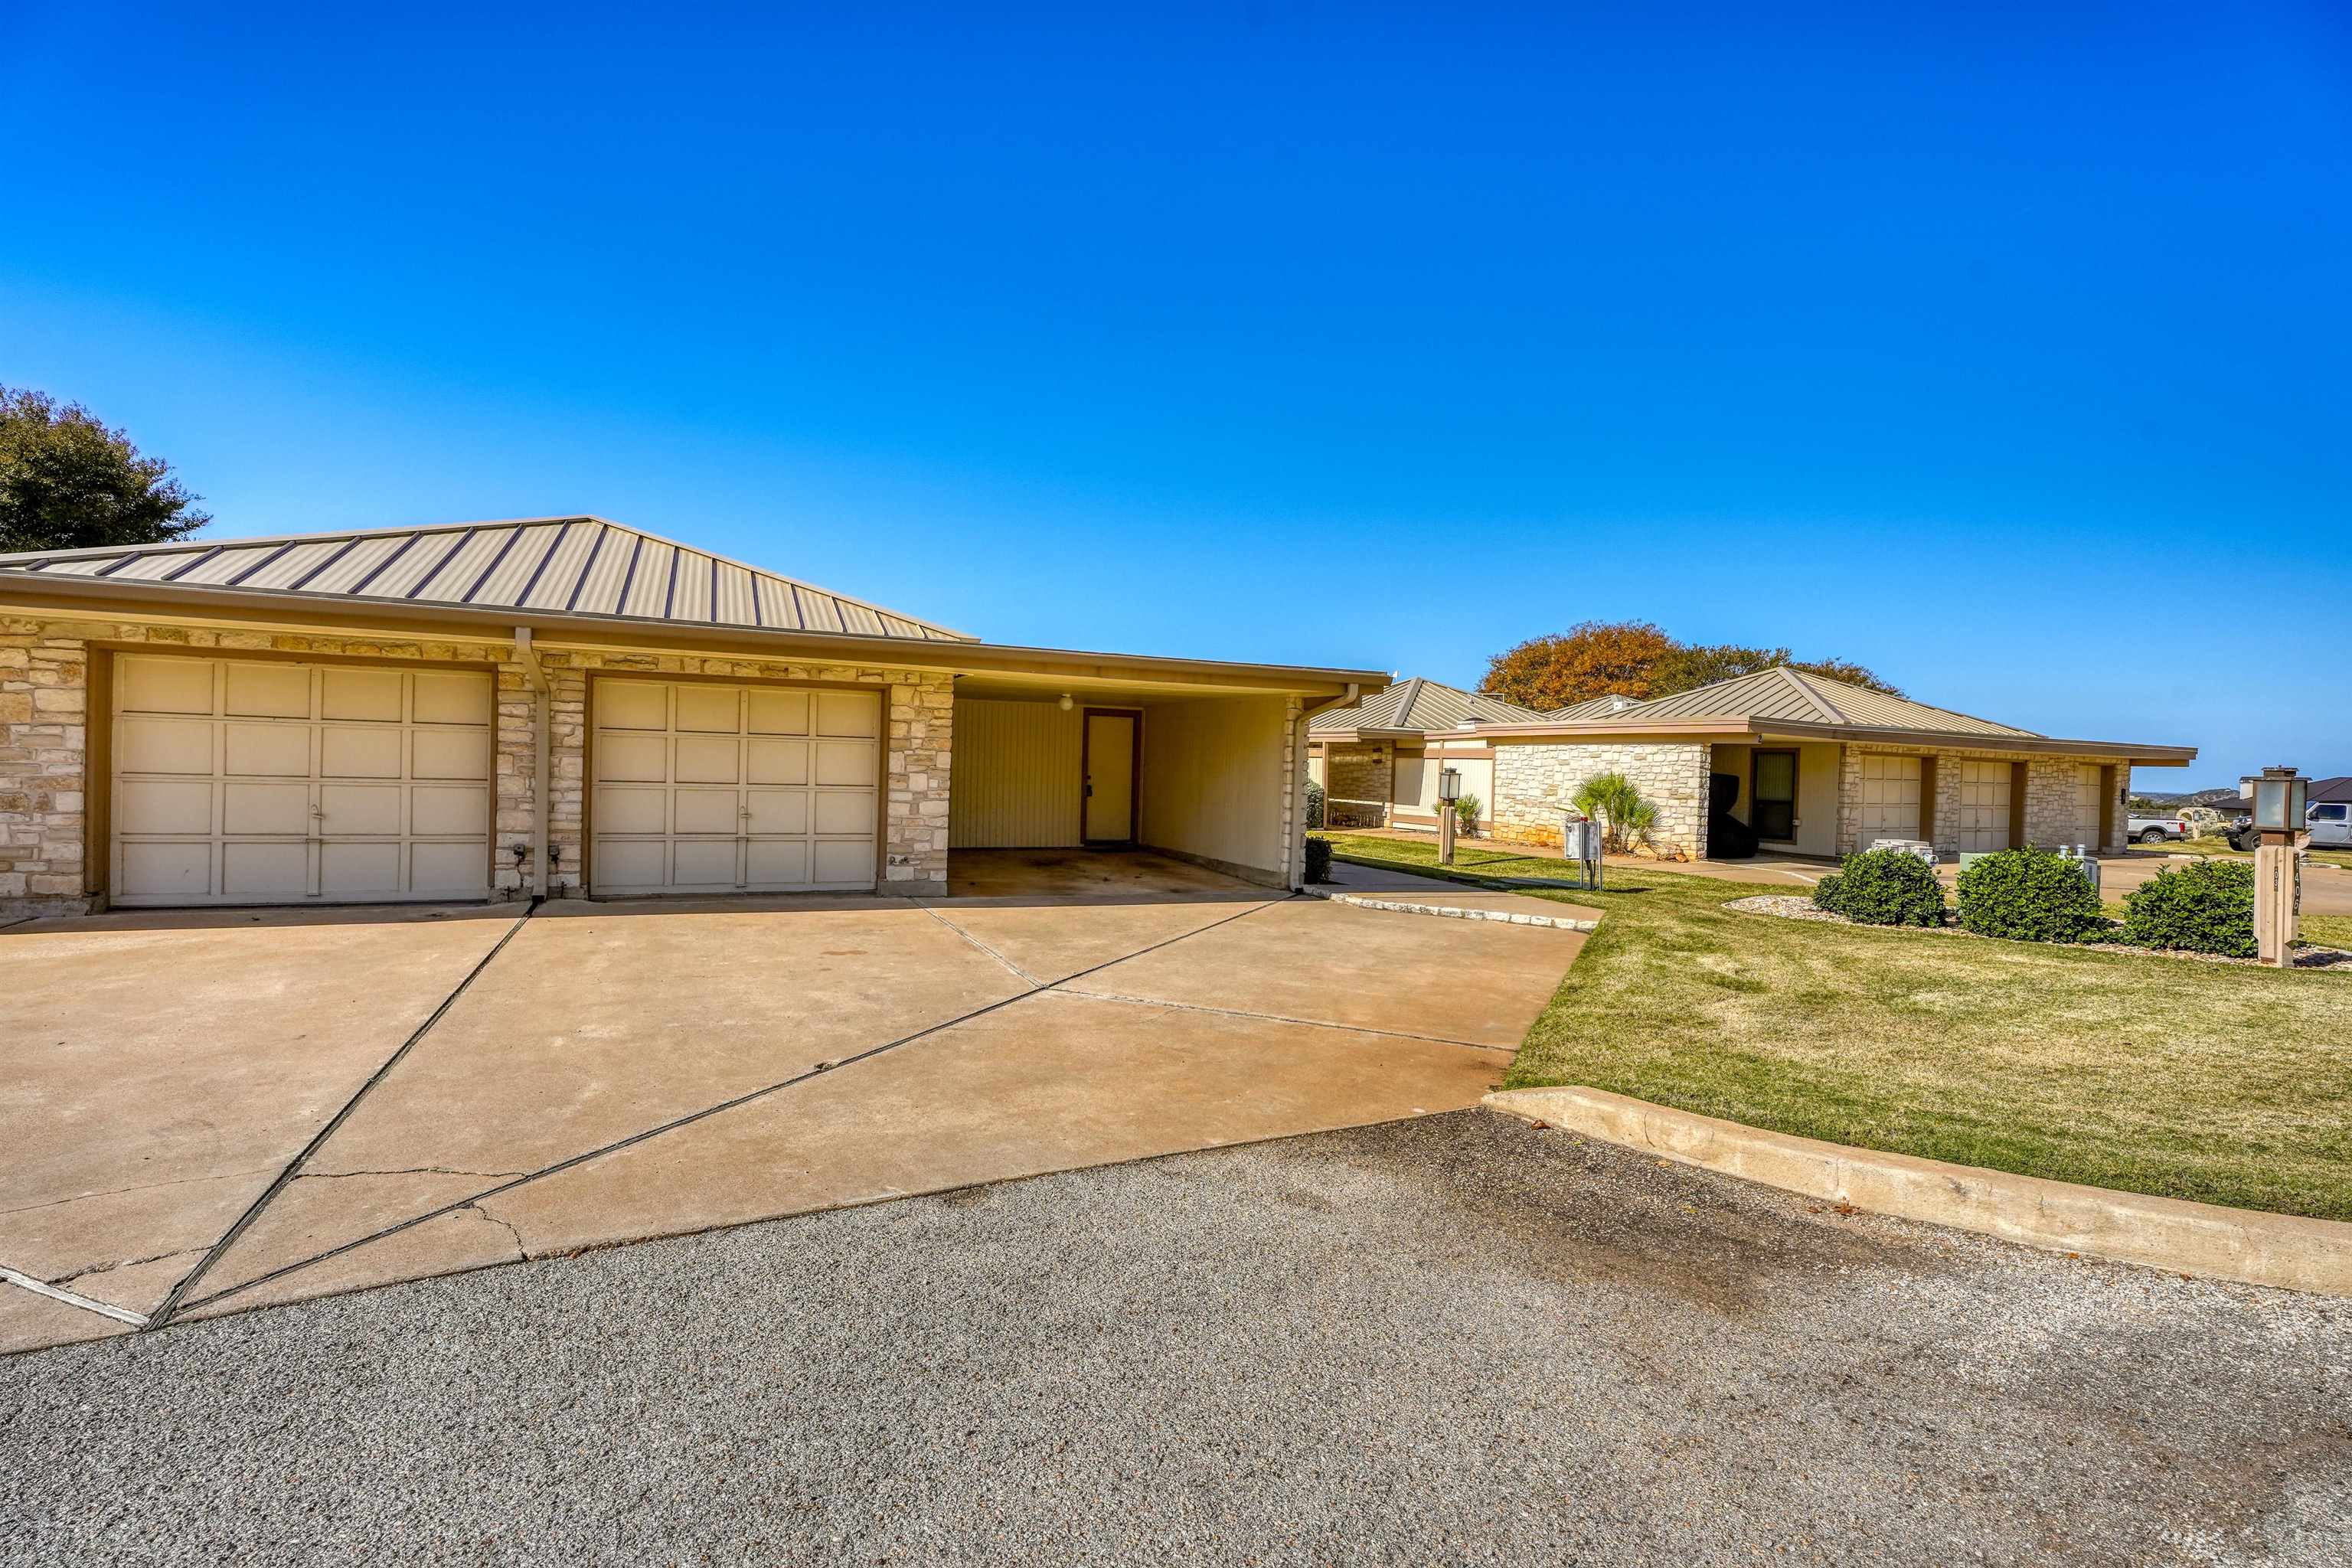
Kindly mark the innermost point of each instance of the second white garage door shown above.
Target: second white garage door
(704, 788)
(1983, 823)
(1890, 799)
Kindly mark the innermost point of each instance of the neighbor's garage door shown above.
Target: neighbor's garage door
(259, 781)
(1890, 798)
(719, 789)
(1984, 805)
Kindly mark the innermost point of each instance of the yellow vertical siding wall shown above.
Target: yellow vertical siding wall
(1212, 780)
(1016, 776)
(1817, 789)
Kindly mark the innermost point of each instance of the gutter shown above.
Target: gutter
(544, 700)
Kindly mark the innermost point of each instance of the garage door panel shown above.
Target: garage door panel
(844, 811)
(360, 870)
(164, 806)
(633, 759)
(360, 809)
(707, 759)
(371, 695)
(164, 873)
(282, 809)
(632, 864)
(844, 761)
(1983, 823)
(449, 811)
(710, 709)
(632, 705)
(778, 712)
(622, 810)
(443, 697)
(703, 863)
(777, 863)
(842, 863)
(449, 754)
(448, 870)
(778, 811)
(770, 761)
(266, 751)
(767, 788)
(302, 785)
(165, 745)
(268, 690)
(164, 685)
(357, 753)
(266, 872)
(1889, 807)
(707, 811)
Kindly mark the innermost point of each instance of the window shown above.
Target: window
(1774, 790)
(2329, 811)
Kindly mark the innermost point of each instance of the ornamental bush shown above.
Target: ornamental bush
(1884, 888)
(2028, 895)
(1314, 805)
(2207, 906)
(1626, 818)
(1318, 857)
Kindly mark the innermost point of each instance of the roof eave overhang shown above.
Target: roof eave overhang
(1741, 729)
(100, 598)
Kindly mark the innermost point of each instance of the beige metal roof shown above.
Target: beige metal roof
(1592, 707)
(1783, 693)
(1421, 705)
(578, 565)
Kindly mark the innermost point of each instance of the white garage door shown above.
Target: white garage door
(705, 788)
(1890, 799)
(1983, 806)
(257, 781)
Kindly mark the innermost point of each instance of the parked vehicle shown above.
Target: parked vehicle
(2156, 829)
(2330, 822)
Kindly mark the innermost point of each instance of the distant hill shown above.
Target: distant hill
(2225, 794)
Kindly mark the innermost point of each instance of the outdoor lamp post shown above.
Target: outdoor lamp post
(1449, 790)
(2281, 798)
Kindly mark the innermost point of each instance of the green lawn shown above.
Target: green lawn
(2222, 1083)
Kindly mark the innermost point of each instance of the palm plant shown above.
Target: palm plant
(1626, 817)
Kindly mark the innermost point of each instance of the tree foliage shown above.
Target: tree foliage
(68, 482)
(1637, 659)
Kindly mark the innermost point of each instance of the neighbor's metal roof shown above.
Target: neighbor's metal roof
(1783, 693)
(1424, 705)
(581, 565)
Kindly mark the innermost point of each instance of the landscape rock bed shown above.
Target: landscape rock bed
(1800, 907)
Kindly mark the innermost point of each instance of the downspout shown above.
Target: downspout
(1295, 852)
(543, 699)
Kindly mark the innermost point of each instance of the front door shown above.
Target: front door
(1772, 796)
(1108, 759)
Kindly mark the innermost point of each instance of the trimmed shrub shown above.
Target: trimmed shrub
(1884, 888)
(1318, 857)
(2028, 895)
(1466, 813)
(2207, 906)
(1314, 805)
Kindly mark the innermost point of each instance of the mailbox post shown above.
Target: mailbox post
(1449, 790)
(2281, 798)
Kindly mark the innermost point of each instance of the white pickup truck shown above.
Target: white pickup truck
(2155, 829)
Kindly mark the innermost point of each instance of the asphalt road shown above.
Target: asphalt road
(1459, 1339)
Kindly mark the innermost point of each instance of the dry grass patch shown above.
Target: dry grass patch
(2205, 1081)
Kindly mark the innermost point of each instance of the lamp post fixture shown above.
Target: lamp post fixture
(1449, 790)
(2281, 801)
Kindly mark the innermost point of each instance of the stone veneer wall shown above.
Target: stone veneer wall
(1534, 780)
(2049, 797)
(1363, 773)
(43, 745)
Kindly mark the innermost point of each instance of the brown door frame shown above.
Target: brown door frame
(1796, 788)
(1134, 777)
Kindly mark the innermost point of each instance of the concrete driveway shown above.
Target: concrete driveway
(213, 1111)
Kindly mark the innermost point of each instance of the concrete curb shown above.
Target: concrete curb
(1400, 906)
(2286, 1251)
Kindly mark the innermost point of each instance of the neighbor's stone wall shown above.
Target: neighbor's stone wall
(1534, 780)
(44, 746)
(1359, 783)
(2051, 800)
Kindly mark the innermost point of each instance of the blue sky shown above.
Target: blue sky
(2004, 353)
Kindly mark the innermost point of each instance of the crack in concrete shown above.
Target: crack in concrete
(411, 1171)
(522, 1253)
(134, 1187)
(126, 1263)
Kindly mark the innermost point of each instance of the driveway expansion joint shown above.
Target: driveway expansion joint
(172, 1303)
(73, 1298)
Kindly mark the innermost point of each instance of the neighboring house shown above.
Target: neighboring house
(565, 705)
(1379, 760)
(1821, 767)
